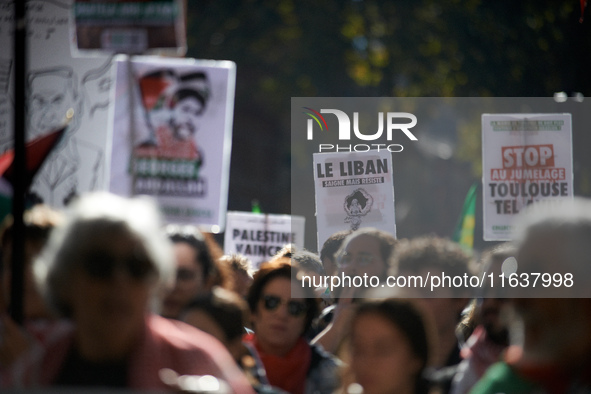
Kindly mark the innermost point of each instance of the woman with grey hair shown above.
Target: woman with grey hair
(103, 270)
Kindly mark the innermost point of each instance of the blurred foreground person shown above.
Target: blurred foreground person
(103, 269)
(365, 256)
(221, 313)
(430, 255)
(550, 348)
(196, 269)
(389, 342)
(224, 314)
(39, 221)
(282, 311)
(491, 335)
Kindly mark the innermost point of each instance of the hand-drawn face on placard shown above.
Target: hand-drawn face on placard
(357, 204)
(97, 87)
(53, 92)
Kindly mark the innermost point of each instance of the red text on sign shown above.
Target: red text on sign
(528, 156)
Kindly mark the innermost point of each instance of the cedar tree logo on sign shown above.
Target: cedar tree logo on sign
(357, 204)
(344, 132)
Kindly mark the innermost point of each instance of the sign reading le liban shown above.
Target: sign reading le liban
(353, 190)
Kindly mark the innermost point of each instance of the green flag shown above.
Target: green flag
(256, 207)
(464, 233)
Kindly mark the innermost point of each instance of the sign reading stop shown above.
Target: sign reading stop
(528, 156)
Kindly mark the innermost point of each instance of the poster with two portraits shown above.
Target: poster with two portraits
(171, 135)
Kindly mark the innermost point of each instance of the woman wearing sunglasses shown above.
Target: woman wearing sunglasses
(102, 270)
(282, 311)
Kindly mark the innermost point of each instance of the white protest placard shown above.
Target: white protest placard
(353, 190)
(260, 236)
(526, 158)
(129, 26)
(56, 82)
(172, 135)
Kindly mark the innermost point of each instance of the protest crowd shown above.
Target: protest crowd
(120, 149)
(113, 299)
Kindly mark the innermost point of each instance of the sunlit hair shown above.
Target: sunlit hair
(39, 221)
(431, 252)
(568, 223)
(493, 258)
(286, 251)
(93, 215)
(308, 262)
(238, 263)
(571, 219)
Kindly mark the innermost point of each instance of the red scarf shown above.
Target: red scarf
(288, 372)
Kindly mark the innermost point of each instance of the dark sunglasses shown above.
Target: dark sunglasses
(294, 308)
(100, 264)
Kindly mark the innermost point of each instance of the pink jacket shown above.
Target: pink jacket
(165, 344)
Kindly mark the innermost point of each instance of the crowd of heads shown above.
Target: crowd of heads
(106, 263)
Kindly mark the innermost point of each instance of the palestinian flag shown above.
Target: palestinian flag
(37, 151)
